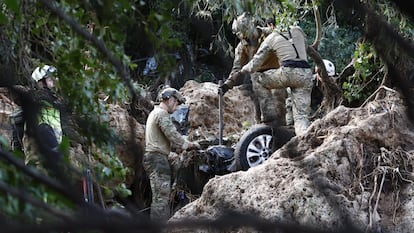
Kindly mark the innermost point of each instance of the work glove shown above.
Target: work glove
(238, 76)
(194, 146)
(223, 89)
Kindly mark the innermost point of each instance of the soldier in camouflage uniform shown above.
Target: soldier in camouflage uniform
(294, 72)
(160, 137)
(251, 36)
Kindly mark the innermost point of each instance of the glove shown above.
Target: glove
(238, 76)
(223, 89)
(194, 146)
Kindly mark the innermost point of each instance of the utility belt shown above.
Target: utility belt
(295, 64)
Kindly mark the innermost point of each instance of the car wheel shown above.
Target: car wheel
(254, 147)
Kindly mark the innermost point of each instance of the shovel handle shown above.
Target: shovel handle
(220, 113)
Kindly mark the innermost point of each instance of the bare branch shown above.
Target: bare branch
(318, 23)
(39, 177)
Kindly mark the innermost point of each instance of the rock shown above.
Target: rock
(7, 106)
(203, 98)
(353, 168)
(131, 134)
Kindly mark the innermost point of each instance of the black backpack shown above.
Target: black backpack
(17, 121)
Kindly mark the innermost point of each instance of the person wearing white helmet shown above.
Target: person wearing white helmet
(46, 124)
(44, 76)
(330, 69)
(317, 91)
(161, 136)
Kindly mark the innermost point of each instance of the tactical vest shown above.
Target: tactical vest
(271, 62)
(51, 116)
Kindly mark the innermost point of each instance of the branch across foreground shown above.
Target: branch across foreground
(100, 44)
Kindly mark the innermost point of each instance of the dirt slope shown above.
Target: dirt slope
(353, 166)
(203, 98)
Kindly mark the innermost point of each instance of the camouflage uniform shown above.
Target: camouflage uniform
(160, 136)
(243, 53)
(295, 72)
(289, 113)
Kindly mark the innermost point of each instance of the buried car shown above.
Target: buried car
(254, 147)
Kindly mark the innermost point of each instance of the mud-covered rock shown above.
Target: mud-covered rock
(353, 168)
(203, 98)
(7, 106)
(132, 139)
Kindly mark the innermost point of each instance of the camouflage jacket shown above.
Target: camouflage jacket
(243, 53)
(279, 45)
(160, 133)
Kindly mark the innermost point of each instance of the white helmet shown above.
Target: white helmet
(330, 67)
(40, 73)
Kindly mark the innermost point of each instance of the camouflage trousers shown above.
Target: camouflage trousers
(300, 82)
(278, 96)
(289, 113)
(159, 172)
(48, 140)
(31, 152)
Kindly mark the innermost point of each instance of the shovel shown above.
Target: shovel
(220, 113)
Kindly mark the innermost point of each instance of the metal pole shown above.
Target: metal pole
(88, 181)
(220, 113)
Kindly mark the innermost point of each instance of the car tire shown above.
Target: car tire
(254, 147)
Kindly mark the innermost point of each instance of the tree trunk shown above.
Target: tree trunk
(333, 96)
(396, 52)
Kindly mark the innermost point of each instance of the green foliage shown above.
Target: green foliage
(84, 73)
(285, 12)
(16, 208)
(367, 77)
(369, 70)
(337, 44)
(110, 173)
(205, 76)
(165, 32)
(4, 142)
(5, 7)
(395, 17)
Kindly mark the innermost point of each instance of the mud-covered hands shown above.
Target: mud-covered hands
(239, 75)
(236, 78)
(223, 89)
(194, 146)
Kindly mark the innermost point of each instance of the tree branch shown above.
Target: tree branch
(318, 23)
(40, 177)
(125, 76)
(333, 96)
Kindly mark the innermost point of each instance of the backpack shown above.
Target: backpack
(16, 119)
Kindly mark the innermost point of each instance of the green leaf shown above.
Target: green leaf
(3, 19)
(3, 141)
(13, 5)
